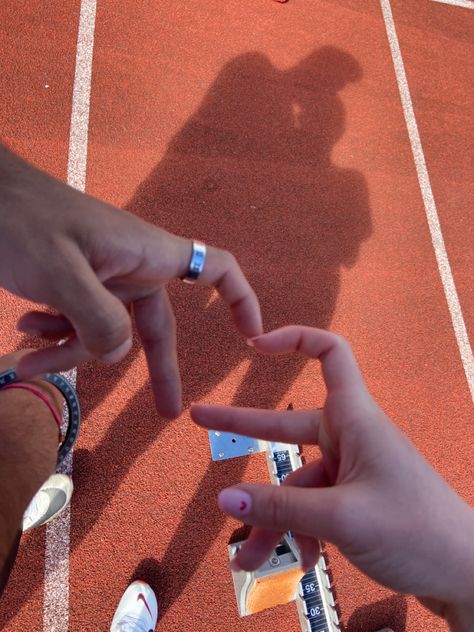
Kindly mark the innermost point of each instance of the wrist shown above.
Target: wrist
(38, 392)
(28, 446)
(456, 603)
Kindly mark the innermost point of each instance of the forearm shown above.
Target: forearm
(22, 194)
(28, 452)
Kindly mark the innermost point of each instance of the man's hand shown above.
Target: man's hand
(90, 262)
(371, 494)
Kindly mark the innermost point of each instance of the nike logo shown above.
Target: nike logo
(140, 596)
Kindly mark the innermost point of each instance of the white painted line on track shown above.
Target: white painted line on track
(79, 131)
(465, 4)
(444, 267)
(56, 571)
(56, 574)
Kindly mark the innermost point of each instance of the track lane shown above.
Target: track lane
(176, 152)
(38, 53)
(170, 116)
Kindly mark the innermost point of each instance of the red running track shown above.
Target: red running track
(275, 131)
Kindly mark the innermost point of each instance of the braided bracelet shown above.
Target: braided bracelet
(9, 377)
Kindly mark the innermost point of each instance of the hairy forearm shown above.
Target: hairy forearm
(28, 452)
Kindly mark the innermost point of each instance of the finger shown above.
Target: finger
(339, 365)
(51, 326)
(295, 426)
(313, 474)
(169, 256)
(11, 360)
(223, 272)
(99, 318)
(156, 326)
(53, 359)
(283, 508)
(310, 550)
(256, 549)
(261, 542)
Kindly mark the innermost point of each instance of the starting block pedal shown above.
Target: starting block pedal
(274, 583)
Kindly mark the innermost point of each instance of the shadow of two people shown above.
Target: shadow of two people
(251, 172)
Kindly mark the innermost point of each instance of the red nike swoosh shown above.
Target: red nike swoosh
(140, 596)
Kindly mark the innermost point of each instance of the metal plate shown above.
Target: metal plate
(226, 445)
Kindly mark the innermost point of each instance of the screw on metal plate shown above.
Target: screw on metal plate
(274, 561)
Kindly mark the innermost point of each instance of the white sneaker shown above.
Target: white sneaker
(49, 501)
(137, 610)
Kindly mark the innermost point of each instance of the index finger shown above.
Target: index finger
(292, 426)
(340, 369)
(223, 272)
(11, 360)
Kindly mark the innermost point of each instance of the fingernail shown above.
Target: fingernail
(118, 353)
(235, 502)
(251, 341)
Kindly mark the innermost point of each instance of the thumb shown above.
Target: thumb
(100, 320)
(310, 512)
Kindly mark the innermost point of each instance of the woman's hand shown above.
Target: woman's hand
(371, 494)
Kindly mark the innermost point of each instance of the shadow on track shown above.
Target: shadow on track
(251, 172)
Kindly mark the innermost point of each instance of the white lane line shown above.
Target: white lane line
(444, 267)
(56, 574)
(465, 4)
(79, 131)
(56, 571)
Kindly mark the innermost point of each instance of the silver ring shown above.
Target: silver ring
(196, 264)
